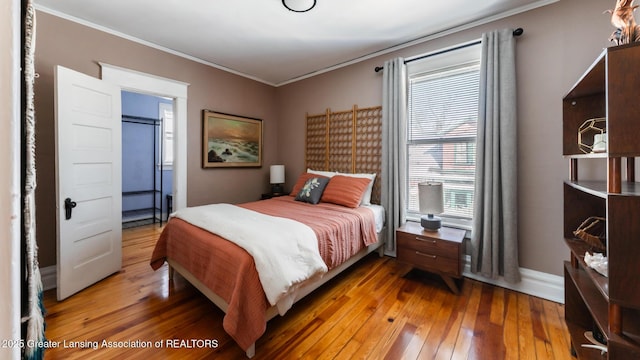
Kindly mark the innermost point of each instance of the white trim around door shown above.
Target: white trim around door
(136, 81)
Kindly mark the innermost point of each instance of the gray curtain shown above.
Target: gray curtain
(494, 239)
(394, 108)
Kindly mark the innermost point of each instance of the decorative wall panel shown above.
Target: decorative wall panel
(346, 141)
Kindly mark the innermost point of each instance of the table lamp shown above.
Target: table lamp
(431, 202)
(276, 178)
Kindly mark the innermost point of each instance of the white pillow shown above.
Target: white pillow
(366, 197)
(323, 173)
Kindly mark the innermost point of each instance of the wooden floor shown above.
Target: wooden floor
(375, 310)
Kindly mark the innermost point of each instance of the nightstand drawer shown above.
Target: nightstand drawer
(429, 261)
(428, 245)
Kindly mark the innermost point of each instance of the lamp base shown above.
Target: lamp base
(430, 222)
(277, 189)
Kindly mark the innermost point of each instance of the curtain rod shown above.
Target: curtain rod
(516, 32)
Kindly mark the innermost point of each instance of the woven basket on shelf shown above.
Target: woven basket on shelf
(593, 231)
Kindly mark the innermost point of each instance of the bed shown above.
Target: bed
(348, 142)
(227, 273)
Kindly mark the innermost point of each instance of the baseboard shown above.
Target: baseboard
(535, 283)
(49, 277)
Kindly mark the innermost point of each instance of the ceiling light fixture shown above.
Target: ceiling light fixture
(299, 5)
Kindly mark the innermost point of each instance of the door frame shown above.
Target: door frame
(135, 81)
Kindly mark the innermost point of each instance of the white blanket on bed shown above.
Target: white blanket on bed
(285, 251)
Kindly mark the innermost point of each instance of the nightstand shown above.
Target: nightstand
(439, 252)
(271, 195)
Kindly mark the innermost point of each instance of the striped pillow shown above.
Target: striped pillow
(344, 190)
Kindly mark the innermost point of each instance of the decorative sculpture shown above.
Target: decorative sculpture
(627, 30)
(592, 136)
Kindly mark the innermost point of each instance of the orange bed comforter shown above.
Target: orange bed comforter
(229, 270)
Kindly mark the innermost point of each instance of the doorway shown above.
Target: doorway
(147, 158)
(135, 81)
(105, 97)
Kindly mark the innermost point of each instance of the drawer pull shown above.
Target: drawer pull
(427, 255)
(425, 240)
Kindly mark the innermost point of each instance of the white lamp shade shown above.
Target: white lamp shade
(430, 197)
(276, 174)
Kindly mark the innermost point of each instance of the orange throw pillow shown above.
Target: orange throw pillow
(344, 190)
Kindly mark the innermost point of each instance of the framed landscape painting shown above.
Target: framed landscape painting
(230, 140)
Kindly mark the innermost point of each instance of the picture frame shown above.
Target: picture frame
(230, 140)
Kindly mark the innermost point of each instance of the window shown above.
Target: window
(166, 115)
(442, 117)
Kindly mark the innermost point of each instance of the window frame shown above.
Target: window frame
(167, 136)
(443, 61)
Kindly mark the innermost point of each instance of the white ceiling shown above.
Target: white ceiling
(262, 40)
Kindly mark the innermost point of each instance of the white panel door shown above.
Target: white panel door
(88, 180)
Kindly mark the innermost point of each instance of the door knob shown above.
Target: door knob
(68, 205)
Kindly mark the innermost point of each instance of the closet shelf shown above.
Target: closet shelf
(139, 192)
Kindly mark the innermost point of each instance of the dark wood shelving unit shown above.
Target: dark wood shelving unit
(608, 89)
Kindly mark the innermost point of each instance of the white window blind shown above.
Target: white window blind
(442, 118)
